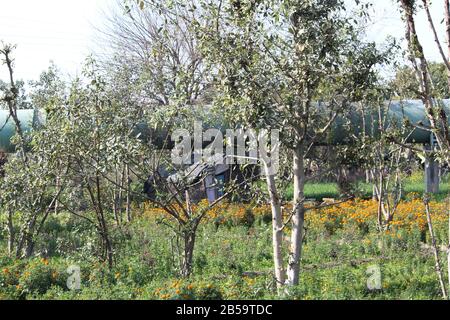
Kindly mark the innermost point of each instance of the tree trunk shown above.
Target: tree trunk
(380, 198)
(423, 76)
(104, 226)
(127, 181)
(29, 248)
(121, 188)
(25, 246)
(58, 187)
(189, 243)
(11, 234)
(116, 197)
(426, 5)
(96, 201)
(447, 34)
(277, 231)
(448, 248)
(293, 270)
(435, 250)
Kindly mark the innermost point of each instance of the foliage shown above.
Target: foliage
(72, 193)
(235, 262)
(405, 84)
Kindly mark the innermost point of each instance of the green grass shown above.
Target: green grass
(334, 266)
(316, 191)
(412, 184)
(335, 260)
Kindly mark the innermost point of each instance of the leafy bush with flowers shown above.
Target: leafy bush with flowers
(186, 290)
(360, 214)
(10, 273)
(233, 257)
(39, 275)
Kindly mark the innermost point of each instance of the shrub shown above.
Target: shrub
(39, 275)
(10, 274)
(182, 290)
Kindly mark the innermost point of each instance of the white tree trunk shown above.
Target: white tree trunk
(10, 233)
(293, 270)
(448, 248)
(128, 193)
(437, 265)
(447, 34)
(277, 225)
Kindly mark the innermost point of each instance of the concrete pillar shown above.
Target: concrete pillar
(431, 172)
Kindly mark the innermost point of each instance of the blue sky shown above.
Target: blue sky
(64, 31)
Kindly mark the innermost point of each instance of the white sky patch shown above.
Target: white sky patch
(387, 21)
(45, 30)
(64, 31)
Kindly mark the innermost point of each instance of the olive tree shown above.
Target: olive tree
(273, 61)
(278, 61)
(89, 135)
(154, 67)
(435, 112)
(21, 175)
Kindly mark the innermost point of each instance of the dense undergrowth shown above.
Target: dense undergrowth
(233, 257)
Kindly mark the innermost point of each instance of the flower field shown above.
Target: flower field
(233, 257)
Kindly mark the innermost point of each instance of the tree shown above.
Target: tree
(49, 91)
(89, 135)
(158, 70)
(313, 56)
(153, 58)
(405, 84)
(436, 113)
(11, 97)
(381, 148)
(272, 61)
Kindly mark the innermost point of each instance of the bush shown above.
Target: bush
(39, 275)
(10, 274)
(182, 290)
